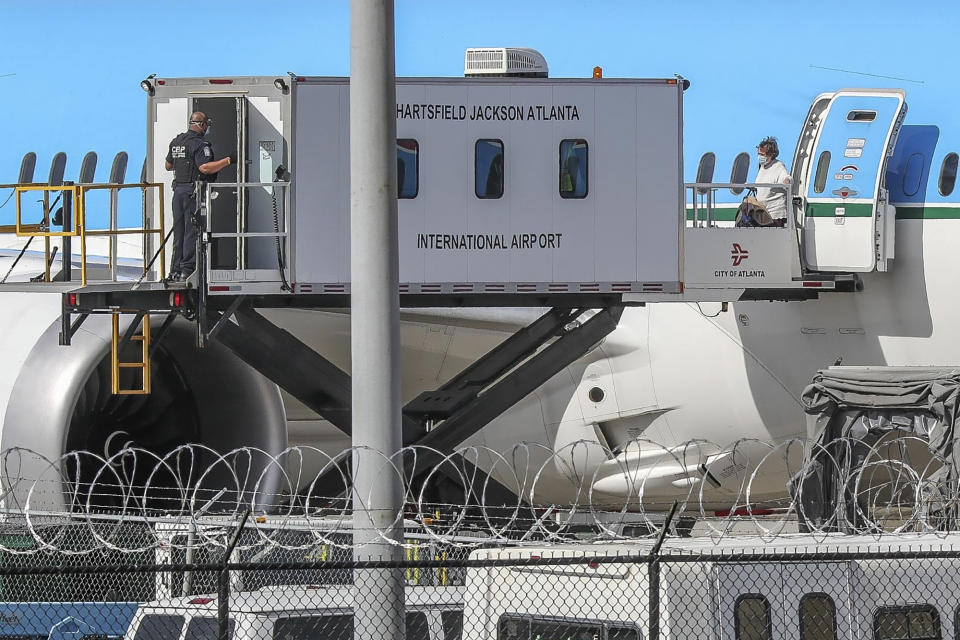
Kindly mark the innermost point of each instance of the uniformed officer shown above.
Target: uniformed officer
(191, 159)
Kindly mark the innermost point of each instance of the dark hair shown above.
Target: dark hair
(770, 142)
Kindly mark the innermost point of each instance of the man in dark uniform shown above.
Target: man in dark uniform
(191, 158)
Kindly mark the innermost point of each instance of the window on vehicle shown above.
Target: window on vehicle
(823, 165)
(518, 627)
(154, 626)
(452, 624)
(738, 174)
(752, 616)
(818, 617)
(338, 627)
(917, 622)
(206, 628)
(574, 160)
(564, 630)
(408, 168)
(912, 174)
(623, 633)
(417, 626)
(948, 174)
(488, 164)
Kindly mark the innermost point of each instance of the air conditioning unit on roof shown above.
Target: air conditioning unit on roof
(504, 62)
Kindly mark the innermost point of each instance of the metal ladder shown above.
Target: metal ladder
(141, 323)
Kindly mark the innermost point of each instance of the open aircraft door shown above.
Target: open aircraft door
(849, 223)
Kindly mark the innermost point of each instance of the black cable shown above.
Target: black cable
(285, 286)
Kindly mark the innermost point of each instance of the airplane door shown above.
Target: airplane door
(849, 221)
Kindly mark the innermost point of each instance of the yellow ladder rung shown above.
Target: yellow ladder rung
(144, 339)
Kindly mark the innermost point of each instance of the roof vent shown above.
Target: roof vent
(504, 62)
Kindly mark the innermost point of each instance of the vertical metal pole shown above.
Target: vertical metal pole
(374, 319)
(223, 582)
(114, 223)
(67, 257)
(191, 551)
(653, 573)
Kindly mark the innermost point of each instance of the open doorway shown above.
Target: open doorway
(226, 137)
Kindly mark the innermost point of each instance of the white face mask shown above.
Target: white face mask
(762, 159)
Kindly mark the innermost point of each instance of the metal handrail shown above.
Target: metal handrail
(709, 188)
(213, 186)
(78, 227)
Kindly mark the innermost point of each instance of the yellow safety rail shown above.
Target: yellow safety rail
(144, 364)
(77, 193)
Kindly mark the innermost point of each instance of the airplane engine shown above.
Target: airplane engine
(57, 399)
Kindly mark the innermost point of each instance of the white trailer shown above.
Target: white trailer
(841, 587)
(506, 185)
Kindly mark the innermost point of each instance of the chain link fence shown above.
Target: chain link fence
(794, 586)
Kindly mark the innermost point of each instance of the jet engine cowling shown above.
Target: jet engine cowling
(59, 400)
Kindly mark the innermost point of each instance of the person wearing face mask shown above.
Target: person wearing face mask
(191, 159)
(772, 171)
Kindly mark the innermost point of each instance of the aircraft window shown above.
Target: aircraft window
(408, 168)
(948, 174)
(708, 162)
(752, 615)
(738, 174)
(917, 621)
(861, 116)
(823, 165)
(573, 168)
(912, 174)
(488, 163)
(818, 617)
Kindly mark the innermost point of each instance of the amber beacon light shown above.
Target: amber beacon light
(598, 72)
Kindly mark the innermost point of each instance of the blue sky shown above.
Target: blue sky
(78, 64)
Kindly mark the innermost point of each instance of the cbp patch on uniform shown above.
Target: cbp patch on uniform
(207, 151)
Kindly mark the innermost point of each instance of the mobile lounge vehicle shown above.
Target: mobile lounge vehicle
(791, 587)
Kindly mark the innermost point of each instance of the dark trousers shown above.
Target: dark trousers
(184, 232)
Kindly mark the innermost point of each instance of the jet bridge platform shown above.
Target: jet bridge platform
(710, 261)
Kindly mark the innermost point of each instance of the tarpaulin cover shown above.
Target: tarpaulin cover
(864, 403)
(854, 401)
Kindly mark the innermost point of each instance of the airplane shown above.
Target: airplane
(669, 373)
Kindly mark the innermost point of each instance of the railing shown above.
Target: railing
(274, 199)
(701, 198)
(75, 208)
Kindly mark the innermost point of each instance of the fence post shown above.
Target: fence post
(653, 573)
(223, 581)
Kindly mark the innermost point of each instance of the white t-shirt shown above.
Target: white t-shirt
(774, 199)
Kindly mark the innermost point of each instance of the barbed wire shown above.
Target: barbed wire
(137, 501)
